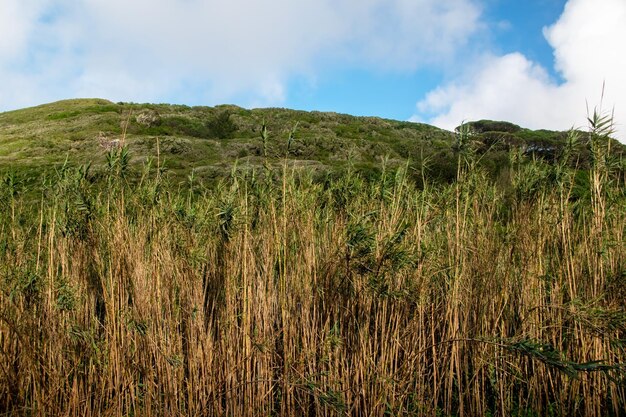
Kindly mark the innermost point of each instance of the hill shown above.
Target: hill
(211, 140)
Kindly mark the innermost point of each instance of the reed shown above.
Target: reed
(272, 294)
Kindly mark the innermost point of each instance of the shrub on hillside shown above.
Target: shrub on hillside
(482, 126)
(221, 126)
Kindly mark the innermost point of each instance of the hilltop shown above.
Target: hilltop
(211, 140)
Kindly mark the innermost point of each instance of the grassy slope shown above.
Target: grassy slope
(44, 136)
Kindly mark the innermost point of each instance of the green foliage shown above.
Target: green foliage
(66, 297)
(221, 126)
(26, 284)
(482, 126)
(63, 115)
(182, 126)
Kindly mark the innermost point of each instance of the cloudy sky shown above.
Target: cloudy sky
(535, 62)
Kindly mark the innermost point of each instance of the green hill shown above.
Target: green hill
(211, 140)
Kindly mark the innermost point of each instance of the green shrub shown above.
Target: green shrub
(221, 126)
(482, 126)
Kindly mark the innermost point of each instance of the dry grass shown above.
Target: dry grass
(287, 297)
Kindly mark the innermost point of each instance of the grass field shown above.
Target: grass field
(272, 293)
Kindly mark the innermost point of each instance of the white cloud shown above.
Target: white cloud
(588, 41)
(149, 50)
(17, 18)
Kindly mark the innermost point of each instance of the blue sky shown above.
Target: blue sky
(521, 27)
(510, 26)
(534, 62)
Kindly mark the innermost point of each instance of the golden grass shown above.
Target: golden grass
(288, 297)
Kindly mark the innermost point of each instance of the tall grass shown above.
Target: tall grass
(271, 294)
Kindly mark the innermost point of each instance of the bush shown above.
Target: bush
(482, 126)
(221, 126)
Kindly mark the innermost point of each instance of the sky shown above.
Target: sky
(537, 63)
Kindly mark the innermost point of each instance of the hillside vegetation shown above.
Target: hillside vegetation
(274, 291)
(211, 140)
